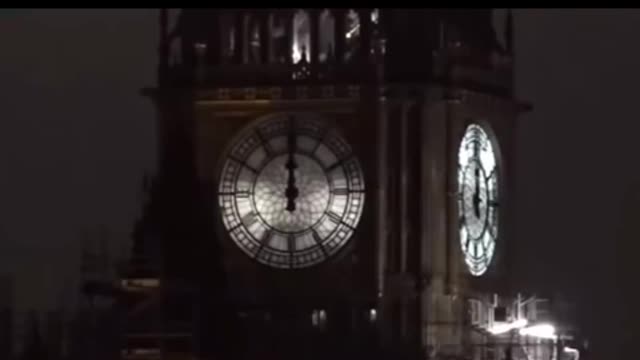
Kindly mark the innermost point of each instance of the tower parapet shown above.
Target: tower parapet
(276, 47)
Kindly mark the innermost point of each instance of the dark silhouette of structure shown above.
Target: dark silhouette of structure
(626, 247)
(34, 347)
(390, 93)
(7, 317)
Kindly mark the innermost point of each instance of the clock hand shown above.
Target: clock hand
(476, 193)
(292, 191)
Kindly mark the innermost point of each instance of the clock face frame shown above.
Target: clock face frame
(291, 191)
(478, 190)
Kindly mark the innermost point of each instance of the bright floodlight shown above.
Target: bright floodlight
(543, 331)
(502, 328)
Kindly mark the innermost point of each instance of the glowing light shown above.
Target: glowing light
(351, 32)
(301, 37)
(502, 328)
(373, 315)
(542, 331)
(200, 47)
(353, 21)
(375, 15)
(253, 200)
(318, 317)
(574, 352)
(478, 198)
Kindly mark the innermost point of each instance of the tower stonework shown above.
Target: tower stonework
(315, 196)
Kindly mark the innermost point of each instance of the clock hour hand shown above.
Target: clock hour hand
(291, 191)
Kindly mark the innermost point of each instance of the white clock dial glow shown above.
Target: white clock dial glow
(477, 199)
(291, 192)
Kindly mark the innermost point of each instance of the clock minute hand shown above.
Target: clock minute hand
(476, 193)
(292, 191)
(476, 173)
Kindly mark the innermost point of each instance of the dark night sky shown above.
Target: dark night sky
(76, 137)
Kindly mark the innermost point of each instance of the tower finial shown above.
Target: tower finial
(508, 31)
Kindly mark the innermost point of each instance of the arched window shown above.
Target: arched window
(375, 29)
(375, 16)
(253, 41)
(175, 42)
(301, 48)
(228, 37)
(327, 32)
(278, 38)
(352, 35)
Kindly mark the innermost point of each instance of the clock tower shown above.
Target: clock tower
(332, 183)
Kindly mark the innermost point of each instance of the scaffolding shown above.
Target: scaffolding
(519, 328)
(149, 328)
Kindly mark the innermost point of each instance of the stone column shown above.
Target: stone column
(265, 36)
(288, 34)
(240, 37)
(314, 48)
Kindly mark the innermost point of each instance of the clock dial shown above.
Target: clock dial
(477, 199)
(291, 192)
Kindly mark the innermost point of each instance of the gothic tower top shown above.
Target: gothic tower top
(276, 47)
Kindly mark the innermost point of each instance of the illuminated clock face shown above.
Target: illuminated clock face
(477, 199)
(291, 192)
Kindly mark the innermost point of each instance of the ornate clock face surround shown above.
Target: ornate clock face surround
(291, 191)
(478, 191)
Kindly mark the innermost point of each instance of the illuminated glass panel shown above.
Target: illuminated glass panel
(326, 36)
(256, 179)
(477, 199)
(352, 35)
(307, 144)
(375, 16)
(255, 42)
(278, 38)
(228, 37)
(270, 198)
(301, 37)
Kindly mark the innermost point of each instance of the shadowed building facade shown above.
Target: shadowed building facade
(331, 183)
(7, 317)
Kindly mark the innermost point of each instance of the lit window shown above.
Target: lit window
(254, 41)
(375, 15)
(319, 318)
(301, 37)
(353, 25)
(373, 315)
(352, 34)
(327, 36)
(278, 40)
(228, 37)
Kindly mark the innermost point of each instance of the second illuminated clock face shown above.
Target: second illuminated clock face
(291, 192)
(477, 199)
